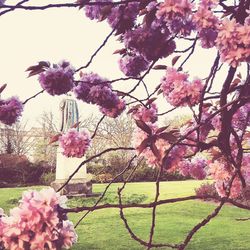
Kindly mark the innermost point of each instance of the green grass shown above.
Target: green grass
(104, 229)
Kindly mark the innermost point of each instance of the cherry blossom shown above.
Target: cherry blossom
(116, 110)
(74, 143)
(146, 114)
(10, 110)
(233, 42)
(178, 91)
(58, 79)
(36, 223)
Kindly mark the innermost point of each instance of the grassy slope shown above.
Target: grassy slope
(104, 229)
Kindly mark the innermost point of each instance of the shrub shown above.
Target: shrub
(105, 172)
(206, 189)
(47, 178)
(18, 170)
(102, 178)
(11, 160)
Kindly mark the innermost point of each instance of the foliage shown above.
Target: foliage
(37, 213)
(17, 139)
(46, 178)
(105, 171)
(18, 170)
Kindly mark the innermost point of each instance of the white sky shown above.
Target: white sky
(52, 35)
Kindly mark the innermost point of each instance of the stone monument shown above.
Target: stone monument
(80, 184)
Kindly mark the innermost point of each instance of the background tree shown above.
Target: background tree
(16, 139)
(43, 150)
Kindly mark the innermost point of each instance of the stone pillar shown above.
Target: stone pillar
(80, 184)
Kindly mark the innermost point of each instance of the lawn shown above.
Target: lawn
(104, 229)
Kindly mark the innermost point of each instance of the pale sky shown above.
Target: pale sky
(52, 35)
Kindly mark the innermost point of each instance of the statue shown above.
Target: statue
(79, 185)
(69, 114)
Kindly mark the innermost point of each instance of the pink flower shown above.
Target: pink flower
(97, 90)
(222, 174)
(205, 18)
(235, 191)
(197, 169)
(146, 114)
(74, 143)
(36, 223)
(184, 167)
(40, 240)
(233, 42)
(194, 168)
(178, 90)
(68, 234)
(58, 79)
(10, 110)
(115, 111)
(171, 9)
(209, 3)
(133, 65)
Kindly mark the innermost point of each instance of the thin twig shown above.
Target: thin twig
(106, 189)
(34, 96)
(96, 52)
(97, 126)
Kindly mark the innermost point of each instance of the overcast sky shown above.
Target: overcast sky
(52, 35)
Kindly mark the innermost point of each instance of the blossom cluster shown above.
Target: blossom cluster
(175, 157)
(146, 114)
(206, 23)
(149, 42)
(116, 110)
(233, 42)
(177, 15)
(96, 12)
(120, 17)
(143, 43)
(97, 90)
(10, 110)
(123, 17)
(152, 38)
(171, 9)
(58, 79)
(74, 143)
(240, 120)
(222, 174)
(178, 90)
(133, 65)
(195, 168)
(37, 223)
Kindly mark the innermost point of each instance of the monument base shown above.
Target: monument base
(75, 188)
